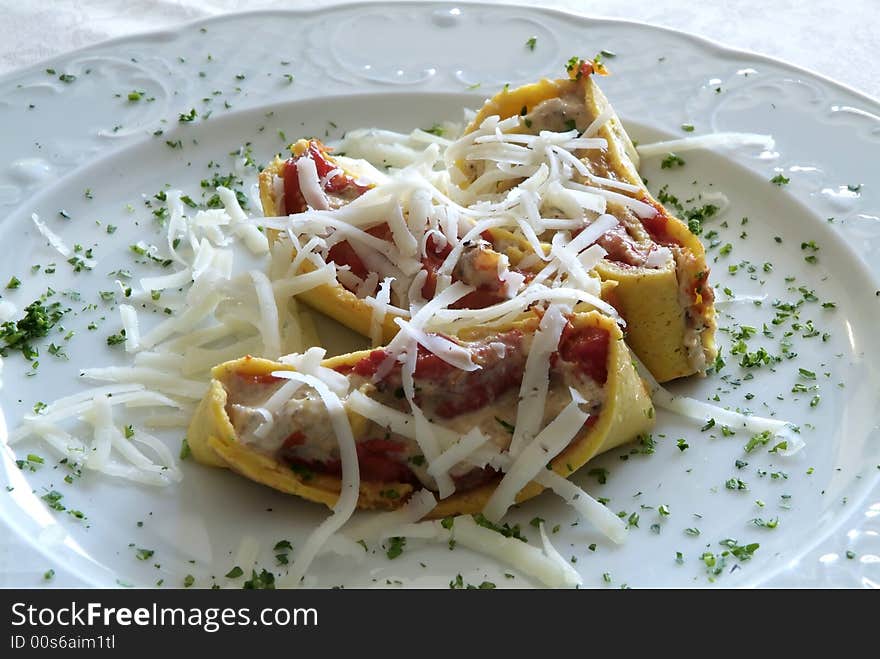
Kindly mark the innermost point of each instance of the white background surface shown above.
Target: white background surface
(837, 40)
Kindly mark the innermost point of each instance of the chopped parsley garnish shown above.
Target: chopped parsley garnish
(188, 117)
(283, 545)
(436, 129)
(116, 339)
(742, 552)
(531, 42)
(395, 547)
(144, 554)
(14, 283)
(671, 161)
(305, 474)
(37, 321)
(234, 573)
(757, 440)
(687, 128)
(806, 375)
(188, 581)
(647, 444)
(682, 444)
(506, 530)
(504, 424)
(780, 180)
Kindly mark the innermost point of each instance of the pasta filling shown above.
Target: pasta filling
(298, 431)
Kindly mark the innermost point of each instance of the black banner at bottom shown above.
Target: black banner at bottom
(300, 620)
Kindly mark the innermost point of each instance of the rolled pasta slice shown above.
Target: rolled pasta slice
(488, 261)
(660, 267)
(277, 431)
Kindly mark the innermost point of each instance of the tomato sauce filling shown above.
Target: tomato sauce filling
(451, 392)
(343, 254)
(340, 184)
(657, 225)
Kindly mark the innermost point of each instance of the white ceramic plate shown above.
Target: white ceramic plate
(405, 66)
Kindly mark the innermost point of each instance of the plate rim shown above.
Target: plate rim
(715, 44)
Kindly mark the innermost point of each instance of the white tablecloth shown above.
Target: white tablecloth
(838, 40)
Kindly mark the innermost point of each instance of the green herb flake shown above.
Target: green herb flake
(506, 530)
(144, 554)
(806, 375)
(395, 547)
(116, 339)
(671, 161)
(741, 552)
(757, 440)
(531, 42)
(188, 117)
(780, 180)
(38, 319)
(504, 424)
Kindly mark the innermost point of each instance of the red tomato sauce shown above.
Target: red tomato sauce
(294, 202)
(658, 226)
(588, 348)
(454, 392)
